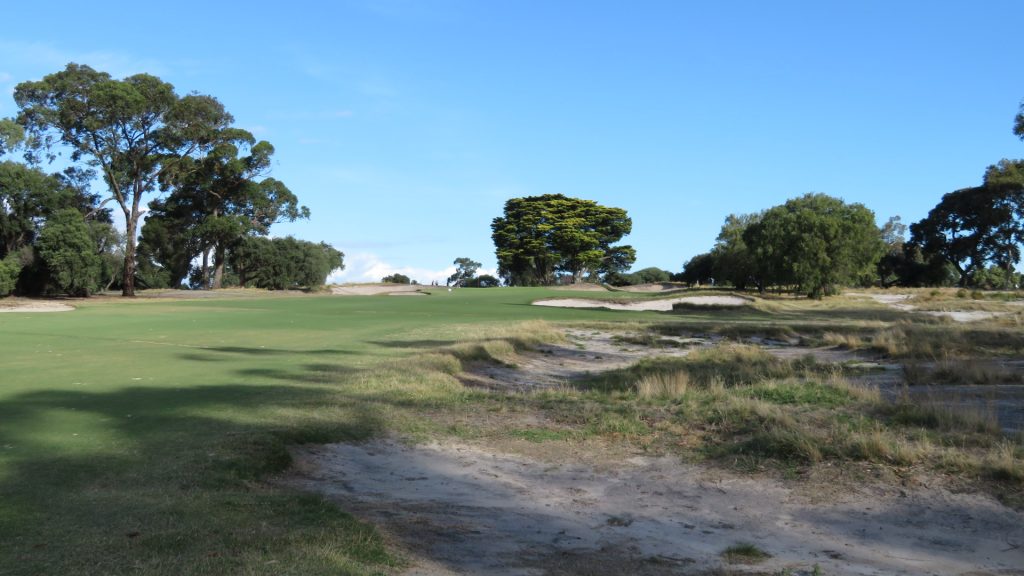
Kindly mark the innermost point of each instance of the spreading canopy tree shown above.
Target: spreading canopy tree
(972, 227)
(815, 242)
(540, 235)
(217, 200)
(465, 270)
(134, 131)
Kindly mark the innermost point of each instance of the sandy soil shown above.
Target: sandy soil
(23, 305)
(376, 289)
(462, 509)
(553, 365)
(898, 301)
(567, 508)
(664, 305)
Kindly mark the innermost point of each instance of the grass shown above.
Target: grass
(744, 553)
(141, 436)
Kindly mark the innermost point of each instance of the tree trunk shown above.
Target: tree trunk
(128, 279)
(218, 270)
(206, 268)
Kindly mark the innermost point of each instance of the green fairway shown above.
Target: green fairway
(133, 433)
(144, 436)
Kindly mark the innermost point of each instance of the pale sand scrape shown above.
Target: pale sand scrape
(376, 289)
(20, 305)
(464, 509)
(662, 305)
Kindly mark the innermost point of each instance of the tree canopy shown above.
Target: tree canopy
(134, 131)
(973, 227)
(465, 270)
(815, 243)
(539, 236)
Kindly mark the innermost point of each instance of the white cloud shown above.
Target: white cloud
(368, 267)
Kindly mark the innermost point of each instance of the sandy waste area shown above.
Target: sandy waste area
(899, 302)
(378, 289)
(22, 305)
(463, 509)
(663, 305)
(562, 508)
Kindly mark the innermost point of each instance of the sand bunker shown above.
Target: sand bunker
(462, 509)
(664, 305)
(376, 289)
(33, 306)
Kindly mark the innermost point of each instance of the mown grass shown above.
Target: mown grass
(143, 436)
(139, 436)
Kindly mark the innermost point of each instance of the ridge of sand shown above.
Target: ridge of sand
(376, 289)
(663, 305)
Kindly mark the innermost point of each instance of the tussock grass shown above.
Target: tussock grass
(744, 553)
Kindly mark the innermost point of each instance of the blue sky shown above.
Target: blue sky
(405, 125)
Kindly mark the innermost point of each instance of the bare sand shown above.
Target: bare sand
(465, 509)
(662, 305)
(376, 289)
(25, 305)
(561, 508)
(899, 302)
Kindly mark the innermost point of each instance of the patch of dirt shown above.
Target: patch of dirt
(663, 305)
(464, 509)
(376, 289)
(26, 305)
(899, 302)
(554, 365)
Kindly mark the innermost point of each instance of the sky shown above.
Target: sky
(405, 125)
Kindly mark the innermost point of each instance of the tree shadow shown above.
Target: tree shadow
(106, 482)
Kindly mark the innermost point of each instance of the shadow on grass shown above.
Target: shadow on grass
(168, 481)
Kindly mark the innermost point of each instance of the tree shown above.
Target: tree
(975, 226)
(732, 261)
(396, 278)
(27, 196)
(483, 281)
(283, 263)
(649, 275)
(699, 270)
(135, 131)
(465, 270)
(815, 242)
(67, 248)
(10, 269)
(221, 197)
(11, 135)
(539, 236)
